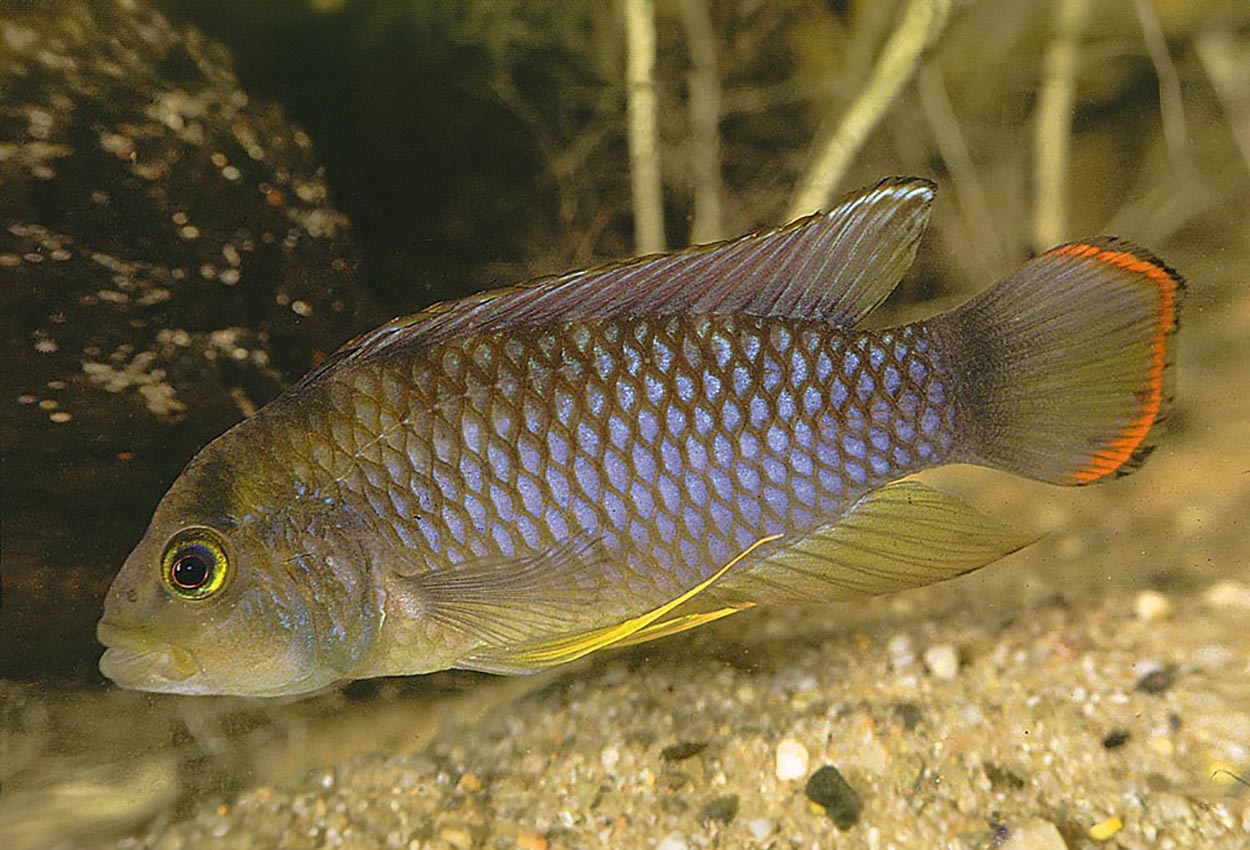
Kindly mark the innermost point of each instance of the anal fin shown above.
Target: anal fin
(899, 536)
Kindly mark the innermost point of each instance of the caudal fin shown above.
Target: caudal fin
(1066, 366)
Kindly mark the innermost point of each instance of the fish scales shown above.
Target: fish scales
(677, 441)
(519, 478)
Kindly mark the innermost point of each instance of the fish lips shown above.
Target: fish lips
(134, 661)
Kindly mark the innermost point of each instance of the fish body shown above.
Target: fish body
(517, 479)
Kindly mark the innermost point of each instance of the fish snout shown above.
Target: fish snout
(134, 660)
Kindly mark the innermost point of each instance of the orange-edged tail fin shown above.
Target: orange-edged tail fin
(1066, 366)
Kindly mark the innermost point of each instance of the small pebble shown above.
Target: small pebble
(1162, 745)
(1002, 778)
(1115, 738)
(683, 750)
(1034, 834)
(828, 788)
(909, 714)
(760, 828)
(722, 809)
(609, 757)
(457, 837)
(1150, 606)
(901, 651)
(1170, 807)
(791, 760)
(1228, 594)
(1104, 830)
(1157, 681)
(673, 841)
(526, 840)
(942, 660)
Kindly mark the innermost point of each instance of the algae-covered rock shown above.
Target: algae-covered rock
(168, 261)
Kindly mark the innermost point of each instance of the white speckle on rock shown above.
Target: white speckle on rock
(791, 760)
(158, 396)
(942, 661)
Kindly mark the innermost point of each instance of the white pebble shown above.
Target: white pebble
(792, 760)
(901, 651)
(1228, 594)
(1150, 606)
(760, 828)
(673, 841)
(942, 660)
(1034, 834)
(609, 757)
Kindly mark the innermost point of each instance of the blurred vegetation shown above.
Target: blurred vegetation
(474, 142)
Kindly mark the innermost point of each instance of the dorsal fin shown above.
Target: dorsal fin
(836, 265)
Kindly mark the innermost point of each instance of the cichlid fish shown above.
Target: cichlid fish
(516, 479)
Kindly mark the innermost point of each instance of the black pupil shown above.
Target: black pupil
(191, 568)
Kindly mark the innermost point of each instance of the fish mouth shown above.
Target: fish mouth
(133, 660)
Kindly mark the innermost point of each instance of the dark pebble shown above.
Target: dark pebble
(682, 750)
(1158, 681)
(723, 809)
(1116, 738)
(1002, 778)
(826, 787)
(994, 836)
(909, 713)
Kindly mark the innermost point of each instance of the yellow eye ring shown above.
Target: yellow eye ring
(195, 565)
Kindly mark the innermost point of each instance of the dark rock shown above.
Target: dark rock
(827, 787)
(1116, 738)
(169, 261)
(722, 809)
(683, 750)
(909, 714)
(1002, 778)
(1157, 681)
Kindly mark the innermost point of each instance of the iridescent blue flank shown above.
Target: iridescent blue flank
(673, 442)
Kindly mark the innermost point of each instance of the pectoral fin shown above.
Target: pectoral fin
(504, 602)
(896, 537)
(562, 648)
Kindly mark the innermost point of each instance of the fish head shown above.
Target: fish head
(257, 602)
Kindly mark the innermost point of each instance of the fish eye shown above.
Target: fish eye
(195, 564)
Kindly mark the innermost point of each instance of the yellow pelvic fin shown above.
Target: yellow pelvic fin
(678, 624)
(560, 649)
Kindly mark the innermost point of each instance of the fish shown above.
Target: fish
(514, 480)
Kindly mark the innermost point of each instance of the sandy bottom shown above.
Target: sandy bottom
(1092, 691)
